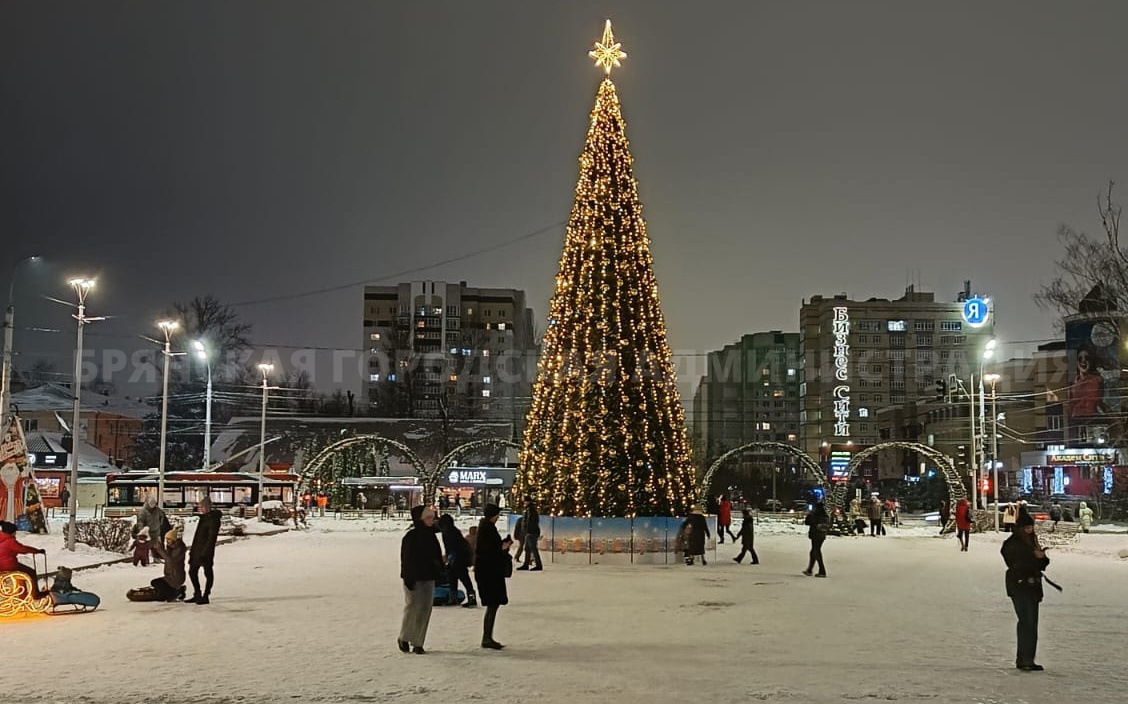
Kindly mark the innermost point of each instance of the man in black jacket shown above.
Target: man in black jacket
(532, 535)
(202, 553)
(1025, 561)
(421, 562)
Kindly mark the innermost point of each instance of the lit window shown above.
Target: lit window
(421, 324)
(501, 326)
(488, 325)
(791, 372)
(374, 336)
(465, 352)
(454, 377)
(486, 393)
(374, 377)
(485, 380)
(767, 426)
(469, 311)
(391, 377)
(791, 437)
(863, 413)
(454, 350)
(485, 353)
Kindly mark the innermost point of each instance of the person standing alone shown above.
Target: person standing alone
(532, 535)
(1025, 561)
(492, 565)
(202, 553)
(421, 562)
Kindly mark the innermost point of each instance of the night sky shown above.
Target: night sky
(257, 149)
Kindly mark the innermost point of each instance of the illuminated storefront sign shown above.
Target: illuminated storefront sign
(841, 328)
(839, 466)
(1069, 457)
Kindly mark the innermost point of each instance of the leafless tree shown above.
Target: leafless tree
(1093, 272)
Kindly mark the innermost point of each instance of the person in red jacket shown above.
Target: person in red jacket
(964, 520)
(724, 519)
(9, 548)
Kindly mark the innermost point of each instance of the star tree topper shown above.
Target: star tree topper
(608, 52)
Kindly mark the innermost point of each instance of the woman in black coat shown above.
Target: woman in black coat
(694, 531)
(818, 523)
(492, 565)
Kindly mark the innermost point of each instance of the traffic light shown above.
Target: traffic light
(962, 457)
(941, 391)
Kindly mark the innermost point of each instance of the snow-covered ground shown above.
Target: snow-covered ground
(313, 616)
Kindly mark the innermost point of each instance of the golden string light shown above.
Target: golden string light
(606, 429)
(15, 596)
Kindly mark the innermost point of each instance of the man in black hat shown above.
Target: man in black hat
(1025, 561)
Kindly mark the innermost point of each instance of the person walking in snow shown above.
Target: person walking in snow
(1025, 562)
(945, 515)
(818, 525)
(532, 535)
(747, 535)
(964, 522)
(694, 532)
(420, 565)
(1055, 516)
(724, 519)
(492, 565)
(1085, 517)
(459, 555)
(203, 550)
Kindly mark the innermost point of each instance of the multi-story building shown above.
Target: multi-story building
(750, 393)
(448, 350)
(860, 356)
(945, 424)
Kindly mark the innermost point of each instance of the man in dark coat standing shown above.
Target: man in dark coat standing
(421, 563)
(532, 535)
(1025, 562)
(492, 564)
(202, 553)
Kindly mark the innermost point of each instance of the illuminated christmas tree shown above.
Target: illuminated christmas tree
(606, 430)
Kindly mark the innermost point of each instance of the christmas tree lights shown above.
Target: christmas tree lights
(605, 434)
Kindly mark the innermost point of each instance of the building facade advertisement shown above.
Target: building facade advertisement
(1092, 404)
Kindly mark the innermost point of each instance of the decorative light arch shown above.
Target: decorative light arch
(956, 489)
(428, 474)
(804, 459)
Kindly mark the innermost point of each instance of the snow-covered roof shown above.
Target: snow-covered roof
(55, 397)
(90, 459)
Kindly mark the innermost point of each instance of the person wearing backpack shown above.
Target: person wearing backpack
(818, 523)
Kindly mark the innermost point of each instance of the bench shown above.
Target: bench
(1053, 536)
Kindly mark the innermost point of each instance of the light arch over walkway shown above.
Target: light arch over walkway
(956, 489)
(805, 461)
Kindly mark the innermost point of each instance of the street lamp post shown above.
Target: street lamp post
(993, 379)
(9, 329)
(265, 369)
(81, 286)
(168, 327)
(202, 353)
(981, 449)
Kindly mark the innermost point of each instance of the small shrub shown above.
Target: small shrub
(109, 534)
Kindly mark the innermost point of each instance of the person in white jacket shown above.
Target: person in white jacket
(1085, 516)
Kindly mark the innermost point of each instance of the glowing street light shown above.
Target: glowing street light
(202, 353)
(168, 327)
(266, 369)
(82, 286)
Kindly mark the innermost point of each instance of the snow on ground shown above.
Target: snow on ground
(313, 616)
